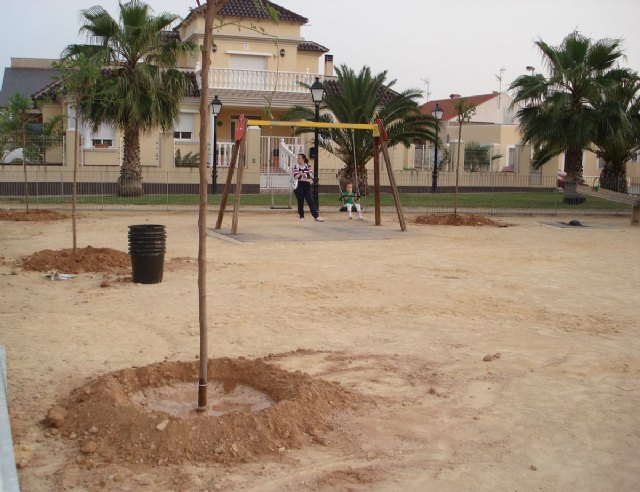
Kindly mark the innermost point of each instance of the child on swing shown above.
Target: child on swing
(350, 200)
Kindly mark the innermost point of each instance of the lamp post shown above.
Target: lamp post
(317, 94)
(216, 106)
(437, 114)
(531, 69)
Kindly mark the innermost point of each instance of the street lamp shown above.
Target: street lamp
(216, 106)
(531, 69)
(317, 94)
(437, 114)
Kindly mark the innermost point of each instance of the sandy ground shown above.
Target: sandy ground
(403, 318)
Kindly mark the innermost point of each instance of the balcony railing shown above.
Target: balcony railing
(260, 80)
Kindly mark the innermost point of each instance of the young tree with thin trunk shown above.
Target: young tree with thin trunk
(78, 76)
(464, 112)
(14, 125)
(210, 10)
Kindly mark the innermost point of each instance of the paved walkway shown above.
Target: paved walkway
(287, 228)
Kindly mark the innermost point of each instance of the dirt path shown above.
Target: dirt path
(404, 319)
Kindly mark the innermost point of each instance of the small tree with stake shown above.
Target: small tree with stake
(212, 7)
(464, 112)
(14, 124)
(79, 74)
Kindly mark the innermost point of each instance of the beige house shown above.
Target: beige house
(258, 67)
(489, 141)
(494, 127)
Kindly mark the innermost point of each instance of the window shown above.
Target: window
(101, 143)
(248, 62)
(600, 163)
(103, 138)
(71, 117)
(477, 157)
(185, 128)
(249, 72)
(512, 159)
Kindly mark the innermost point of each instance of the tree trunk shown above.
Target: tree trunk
(130, 181)
(614, 177)
(74, 196)
(573, 163)
(24, 169)
(209, 15)
(455, 194)
(573, 168)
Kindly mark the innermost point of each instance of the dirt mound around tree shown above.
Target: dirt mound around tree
(110, 421)
(459, 220)
(87, 259)
(32, 216)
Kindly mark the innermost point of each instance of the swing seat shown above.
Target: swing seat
(344, 208)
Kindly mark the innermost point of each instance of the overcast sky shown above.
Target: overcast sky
(459, 46)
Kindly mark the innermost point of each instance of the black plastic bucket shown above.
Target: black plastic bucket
(147, 246)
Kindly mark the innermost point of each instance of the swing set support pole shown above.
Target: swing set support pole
(227, 185)
(380, 146)
(236, 202)
(376, 179)
(239, 141)
(392, 179)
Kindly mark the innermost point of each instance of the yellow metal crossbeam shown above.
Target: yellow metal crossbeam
(312, 124)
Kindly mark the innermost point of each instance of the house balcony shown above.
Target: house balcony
(252, 87)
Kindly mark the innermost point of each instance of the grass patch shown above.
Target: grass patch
(506, 200)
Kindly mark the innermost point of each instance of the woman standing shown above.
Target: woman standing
(303, 174)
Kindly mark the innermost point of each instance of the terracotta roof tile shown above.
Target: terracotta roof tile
(311, 46)
(251, 10)
(447, 105)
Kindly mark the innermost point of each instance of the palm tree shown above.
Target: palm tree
(618, 137)
(557, 114)
(140, 89)
(362, 98)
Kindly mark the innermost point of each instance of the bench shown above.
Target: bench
(614, 196)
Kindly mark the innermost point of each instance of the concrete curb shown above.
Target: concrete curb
(8, 471)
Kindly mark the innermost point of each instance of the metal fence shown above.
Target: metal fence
(484, 192)
(35, 149)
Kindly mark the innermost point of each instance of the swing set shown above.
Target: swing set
(378, 134)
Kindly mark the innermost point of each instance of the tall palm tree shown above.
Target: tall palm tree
(557, 113)
(140, 88)
(362, 98)
(618, 135)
